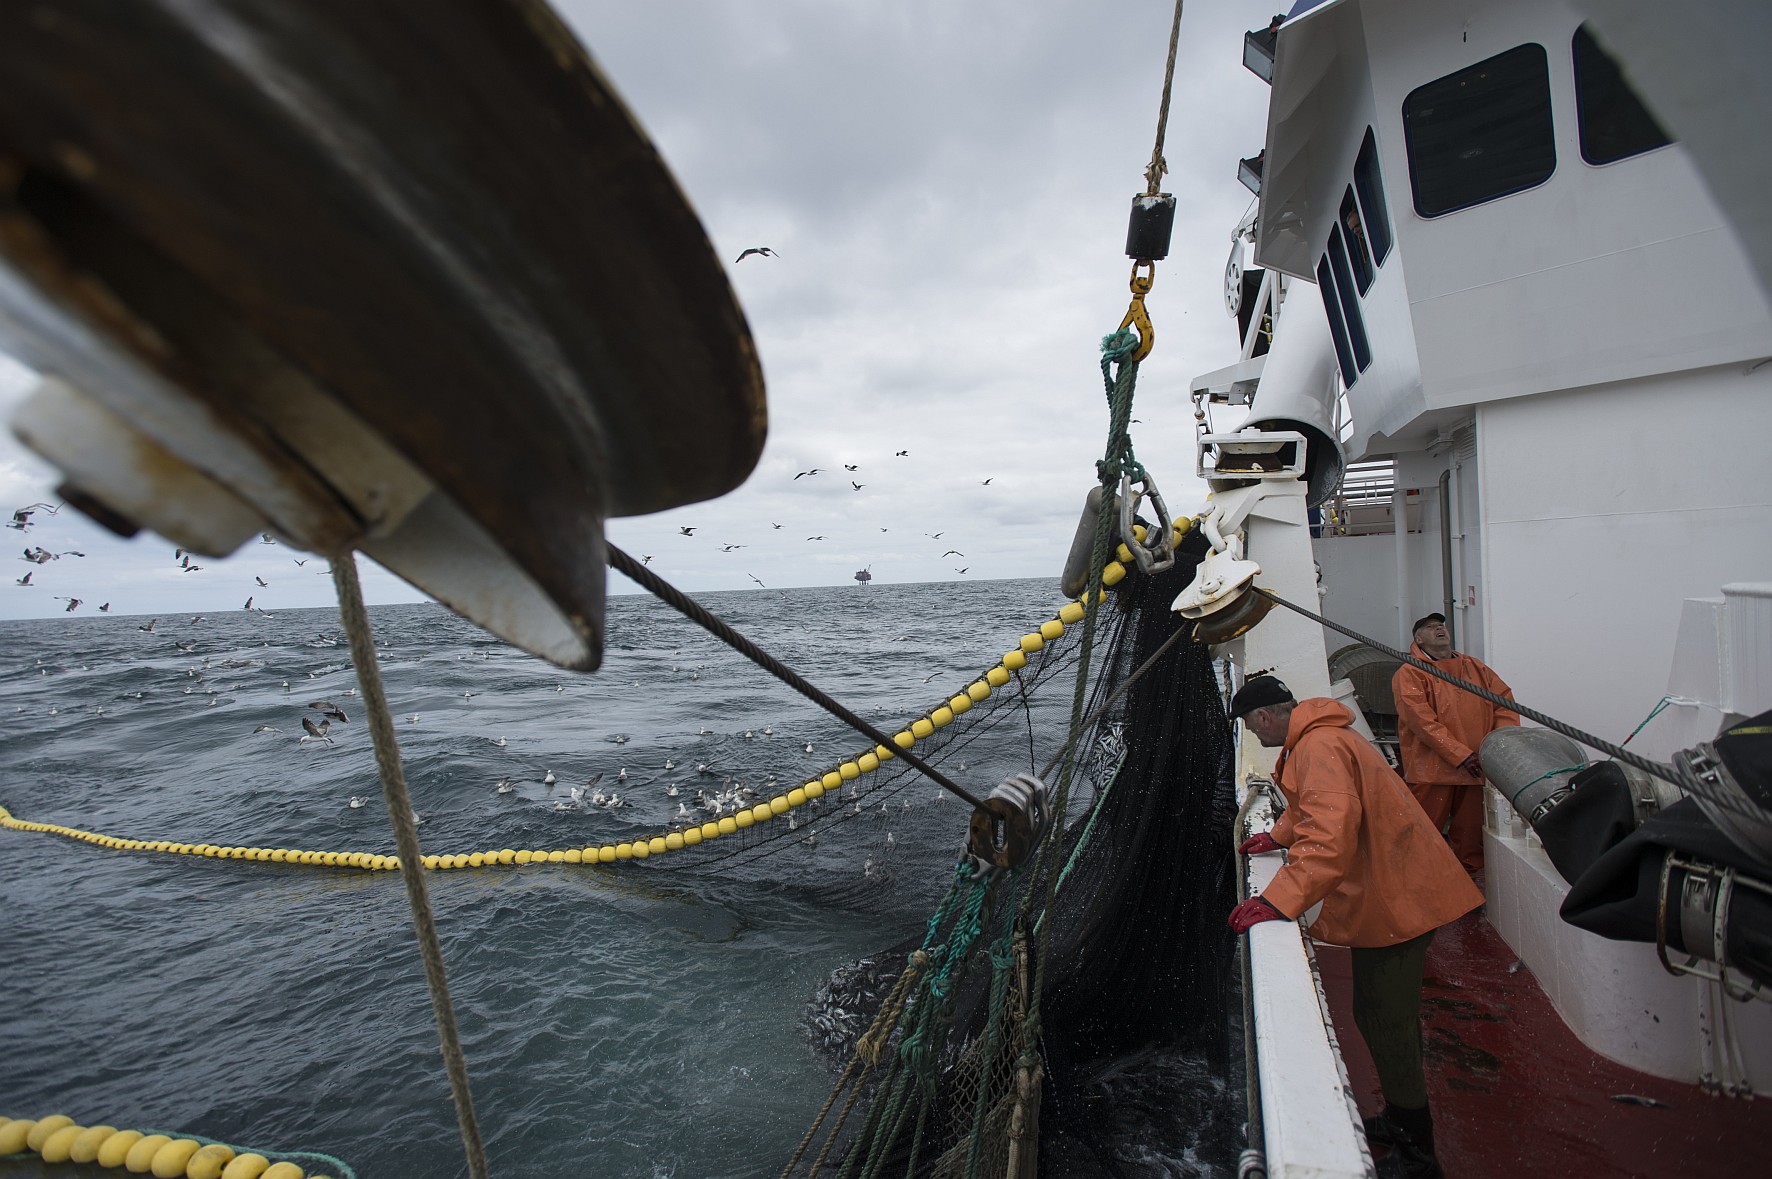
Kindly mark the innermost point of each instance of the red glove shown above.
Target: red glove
(1256, 845)
(1252, 912)
(1471, 765)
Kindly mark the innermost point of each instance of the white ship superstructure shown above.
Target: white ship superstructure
(1532, 362)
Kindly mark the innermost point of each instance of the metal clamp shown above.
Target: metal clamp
(1703, 918)
(1005, 831)
(1158, 558)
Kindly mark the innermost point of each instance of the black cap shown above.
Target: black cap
(1436, 616)
(1264, 691)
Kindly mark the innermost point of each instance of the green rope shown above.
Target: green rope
(1543, 776)
(1089, 827)
(1653, 713)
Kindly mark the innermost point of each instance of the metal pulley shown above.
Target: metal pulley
(1009, 826)
(1219, 598)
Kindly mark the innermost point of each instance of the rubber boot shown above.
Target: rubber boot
(1411, 1145)
(1378, 1128)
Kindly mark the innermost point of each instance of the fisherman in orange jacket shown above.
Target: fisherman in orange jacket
(1439, 727)
(1358, 843)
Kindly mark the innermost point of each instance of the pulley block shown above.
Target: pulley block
(1009, 825)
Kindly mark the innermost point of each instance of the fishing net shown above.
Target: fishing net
(976, 1048)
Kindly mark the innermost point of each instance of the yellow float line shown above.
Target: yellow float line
(924, 726)
(58, 1140)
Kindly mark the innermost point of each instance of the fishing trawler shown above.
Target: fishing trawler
(1505, 335)
(1392, 374)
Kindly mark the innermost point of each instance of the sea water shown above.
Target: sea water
(642, 1018)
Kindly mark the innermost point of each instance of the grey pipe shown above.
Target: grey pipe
(1449, 596)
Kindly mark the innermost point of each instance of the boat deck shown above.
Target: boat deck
(1515, 1093)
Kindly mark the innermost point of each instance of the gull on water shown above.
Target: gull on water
(504, 786)
(358, 801)
(500, 742)
(548, 778)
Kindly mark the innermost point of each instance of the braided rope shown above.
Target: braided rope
(393, 780)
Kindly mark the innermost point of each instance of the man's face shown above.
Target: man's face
(1269, 728)
(1435, 639)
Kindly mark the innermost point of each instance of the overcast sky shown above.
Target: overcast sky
(946, 183)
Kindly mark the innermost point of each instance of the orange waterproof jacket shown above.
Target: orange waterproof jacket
(1357, 840)
(1439, 725)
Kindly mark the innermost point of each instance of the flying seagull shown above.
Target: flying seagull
(774, 525)
(962, 570)
(987, 482)
(815, 538)
(645, 558)
(105, 609)
(763, 250)
(26, 579)
(857, 486)
(261, 581)
(248, 605)
(150, 626)
(953, 553)
(316, 732)
(727, 548)
(690, 531)
(73, 603)
(901, 454)
(753, 577)
(813, 471)
(850, 467)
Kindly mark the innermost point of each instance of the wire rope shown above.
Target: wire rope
(1618, 752)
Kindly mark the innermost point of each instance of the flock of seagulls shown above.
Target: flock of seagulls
(855, 485)
(22, 520)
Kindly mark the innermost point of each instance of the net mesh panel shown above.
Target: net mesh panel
(1139, 951)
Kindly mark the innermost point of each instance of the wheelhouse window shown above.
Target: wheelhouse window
(1359, 252)
(1614, 123)
(1344, 356)
(1481, 133)
(1350, 306)
(1370, 188)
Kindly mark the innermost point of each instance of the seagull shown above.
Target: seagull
(752, 576)
(302, 561)
(193, 568)
(850, 467)
(105, 609)
(813, 471)
(953, 553)
(645, 559)
(808, 747)
(504, 786)
(773, 524)
(266, 538)
(248, 605)
(669, 764)
(593, 780)
(671, 790)
(500, 742)
(358, 801)
(261, 581)
(934, 535)
(621, 775)
(962, 570)
(815, 538)
(765, 251)
(727, 548)
(26, 579)
(548, 778)
(267, 729)
(690, 531)
(987, 482)
(413, 719)
(315, 732)
(73, 603)
(857, 486)
(150, 628)
(901, 454)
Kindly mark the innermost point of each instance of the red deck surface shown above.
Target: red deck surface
(1515, 1093)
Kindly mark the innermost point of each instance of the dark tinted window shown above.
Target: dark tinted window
(1358, 252)
(1481, 133)
(1350, 306)
(1332, 308)
(1370, 186)
(1613, 120)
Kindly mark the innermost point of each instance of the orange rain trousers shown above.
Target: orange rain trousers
(1357, 840)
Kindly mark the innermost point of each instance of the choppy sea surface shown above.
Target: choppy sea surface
(643, 1018)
